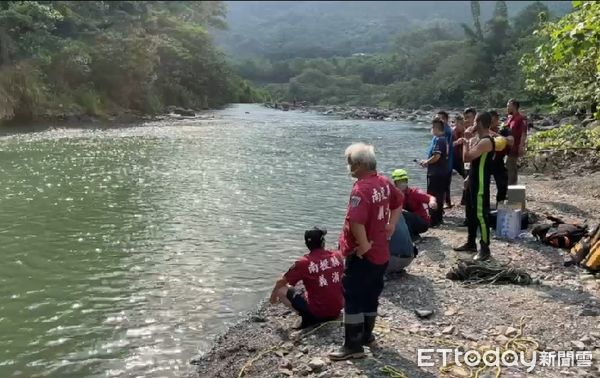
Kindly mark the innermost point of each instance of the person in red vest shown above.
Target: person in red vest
(374, 208)
(416, 205)
(321, 273)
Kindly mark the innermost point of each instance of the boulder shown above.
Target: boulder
(317, 364)
(535, 117)
(181, 111)
(569, 121)
(586, 122)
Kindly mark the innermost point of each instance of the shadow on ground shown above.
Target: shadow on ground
(412, 292)
(433, 249)
(383, 356)
(588, 303)
(568, 208)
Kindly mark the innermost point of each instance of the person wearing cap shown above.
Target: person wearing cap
(416, 204)
(321, 273)
(374, 208)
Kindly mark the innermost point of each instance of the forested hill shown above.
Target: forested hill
(287, 29)
(67, 58)
(405, 54)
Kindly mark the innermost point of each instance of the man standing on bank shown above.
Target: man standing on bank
(373, 210)
(518, 128)
(480, 156)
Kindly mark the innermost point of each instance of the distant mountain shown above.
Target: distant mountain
(286, 29)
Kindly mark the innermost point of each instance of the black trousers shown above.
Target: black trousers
(459, 167)
(500, 174)
(416, 225)
(363, 284)
(477, 211)
(448, 193)
(436, 186)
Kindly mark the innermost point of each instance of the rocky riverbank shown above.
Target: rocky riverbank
(539, 121)
(112, 119)
(560, 311)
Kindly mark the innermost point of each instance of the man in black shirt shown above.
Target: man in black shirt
(498, 168)
(437, 169)
(480, 156)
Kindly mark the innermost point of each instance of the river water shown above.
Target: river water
(125, 251)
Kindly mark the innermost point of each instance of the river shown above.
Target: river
(126, 250)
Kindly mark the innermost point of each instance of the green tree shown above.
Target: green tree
(567, 62)
(104, 56)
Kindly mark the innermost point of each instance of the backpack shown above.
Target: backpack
(559, 234)
(586, 252)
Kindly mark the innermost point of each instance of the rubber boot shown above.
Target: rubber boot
(467, 247)
(483, 254)
(368, 337)
(352, 343)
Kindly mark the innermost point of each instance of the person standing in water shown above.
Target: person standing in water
(480, 156)
(374, 208)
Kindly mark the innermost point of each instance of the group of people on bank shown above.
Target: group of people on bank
(385, 217)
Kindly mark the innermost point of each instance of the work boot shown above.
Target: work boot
(352, 343)
(368, 337)
(483, 254)
(467, 247)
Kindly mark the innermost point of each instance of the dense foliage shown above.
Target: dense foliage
(438, 62)
(62, 57)
(567, 137)
(278, 30)
(567, 63)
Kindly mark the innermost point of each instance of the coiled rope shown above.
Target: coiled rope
(473, 272)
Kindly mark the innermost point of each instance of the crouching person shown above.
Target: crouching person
(402, 249)
(416, 205)
(373, 211)
(321, 273)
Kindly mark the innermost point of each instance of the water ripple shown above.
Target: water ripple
(126, 250)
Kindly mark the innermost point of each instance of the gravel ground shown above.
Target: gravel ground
(561, 309)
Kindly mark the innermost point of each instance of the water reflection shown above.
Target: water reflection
(126, 250)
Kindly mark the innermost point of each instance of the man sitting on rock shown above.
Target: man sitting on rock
(321, 273)
(416, 204)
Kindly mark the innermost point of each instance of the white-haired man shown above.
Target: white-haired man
(373, 211)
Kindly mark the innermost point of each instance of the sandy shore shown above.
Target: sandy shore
(561, 309)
